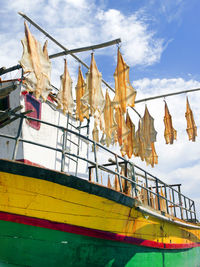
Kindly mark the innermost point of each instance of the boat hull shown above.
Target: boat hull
(27, 245)
(48, 218)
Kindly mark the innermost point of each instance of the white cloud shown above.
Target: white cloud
(172, 9)
(139, 45)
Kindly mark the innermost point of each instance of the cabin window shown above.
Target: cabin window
(31, 103)
(4, 105)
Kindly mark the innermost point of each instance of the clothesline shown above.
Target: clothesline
(165, 95)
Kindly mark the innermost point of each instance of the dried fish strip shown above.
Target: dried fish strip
(131, 136)
(35, 63)
(124, 92)
(93, 97)
(122, 129)
(64, 97)
(191, 126)
(170, 133)
(82, 110)
(110, 124)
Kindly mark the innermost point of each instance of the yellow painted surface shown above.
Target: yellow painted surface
(46, 200)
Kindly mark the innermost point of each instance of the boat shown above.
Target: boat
(66, 200)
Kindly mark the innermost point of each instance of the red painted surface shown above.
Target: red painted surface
(90, 232)
(31, 103)
(28, 162)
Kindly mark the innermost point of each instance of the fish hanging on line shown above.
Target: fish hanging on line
(170, 133)
(122, 129)
(131, 136)
(36, 66)
(64, 96)
(191, 126)
(124, 92)
(93, 96)
(82, 111)
(110, 124)
(145, 138)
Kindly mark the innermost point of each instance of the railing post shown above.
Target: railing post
(134, 184)
(78, 148)
(190, 208)
(173, 198)
(180, 201)
(158, 195)
(119, 176)
(63, 151)
(146, 181)
(166, 199)
(17, 139)
(95, 159)
(195, 218)
(186, 212)
(89, 174)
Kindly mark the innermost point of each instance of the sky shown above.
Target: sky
(160, 43)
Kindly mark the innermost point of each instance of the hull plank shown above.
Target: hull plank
(26, 245)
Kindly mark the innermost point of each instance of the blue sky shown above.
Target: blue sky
(160, 43)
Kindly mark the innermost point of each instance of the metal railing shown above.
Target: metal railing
(123, 175)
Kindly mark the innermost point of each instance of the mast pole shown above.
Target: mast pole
(86, 48)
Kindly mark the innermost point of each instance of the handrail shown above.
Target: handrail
(190, 209)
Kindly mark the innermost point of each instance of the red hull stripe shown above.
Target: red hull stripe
(28, 162)
(91, 232)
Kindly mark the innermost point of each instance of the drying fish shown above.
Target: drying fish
(93, 97)
(122, 129)
(138, 147)
(191, 126)
(145, 138)
(124, 92)
(131, 136)
(82, 110)
(110, 124)
(148, 131)
(170, 133)
(36, 65)
(64, 97)
(95, 133)
(152, 159)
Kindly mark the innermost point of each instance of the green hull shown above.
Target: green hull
(25, 245)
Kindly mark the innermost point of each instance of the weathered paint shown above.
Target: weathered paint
(77, 202)
(102, 222)
(25, 245)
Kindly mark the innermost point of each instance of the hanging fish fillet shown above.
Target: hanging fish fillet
(64, 96)
(35, 63)
(131, 136)
(122, 129)
(138, 147)
(145, 138)
(82, 110)
(95, 133)
(124, 92)
(152, 159)
(148, 131)
(170, 133)
(191, 126)
(110, 124)
(93, 97)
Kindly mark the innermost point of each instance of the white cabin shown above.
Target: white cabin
(40, 133)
